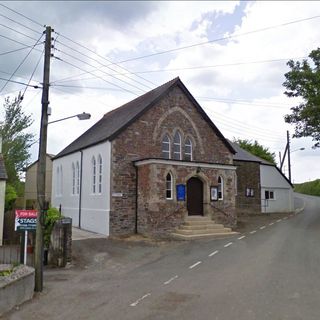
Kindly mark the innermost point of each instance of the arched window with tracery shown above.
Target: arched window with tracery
(166, 146)
(177, 146)
(188, 149)
(94, 174)
(99, 174)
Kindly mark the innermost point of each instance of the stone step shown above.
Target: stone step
(202, 231)
(198, 222)
(197, 218)
(212, 226)
(201, 236)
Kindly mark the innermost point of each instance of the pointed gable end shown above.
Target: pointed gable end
(117, 120)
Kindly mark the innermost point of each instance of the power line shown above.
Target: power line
(19, 32)
(113, 84)
(16, 50)
(103, 65)
(106, 59)
(106, 73)
(13, 40)
(242, 102)
(219, 39)
(23, 60)
(215, 66)
(34, 70)
(22, 15)
(82, 87)
(18, 82)
(21, 24)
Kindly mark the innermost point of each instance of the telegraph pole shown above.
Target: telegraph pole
(41, 173)
(289, 160)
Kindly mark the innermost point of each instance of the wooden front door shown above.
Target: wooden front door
(195, 197)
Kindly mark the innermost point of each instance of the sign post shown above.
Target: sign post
(25, 220)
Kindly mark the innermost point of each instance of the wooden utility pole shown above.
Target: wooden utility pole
(41, 173)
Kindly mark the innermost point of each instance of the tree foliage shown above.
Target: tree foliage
(256, 149)
(15, 141)
(303, 80)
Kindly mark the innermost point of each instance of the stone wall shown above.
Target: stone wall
(248, 177)
(158, 215)
(143, 139)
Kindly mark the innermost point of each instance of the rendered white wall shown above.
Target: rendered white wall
(95, 208)
(271, 179)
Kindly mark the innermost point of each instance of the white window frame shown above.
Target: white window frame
(166, 141)
(73, 179)
(99, 174)
(269, 191)
(220, 188)
(178, 144)
(186, 154)
(77, 178)
(169, 186)
(94, 175)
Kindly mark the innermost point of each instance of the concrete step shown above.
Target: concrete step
(198, 222)
(201, 236)
(202, 231)
(210, 226)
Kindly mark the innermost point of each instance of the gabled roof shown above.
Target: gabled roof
(117, 120)
(49, 155)
(3, 172)
(243, 155)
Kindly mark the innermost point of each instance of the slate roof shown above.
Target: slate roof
(115, 121)
(3, 172)
(243, 155)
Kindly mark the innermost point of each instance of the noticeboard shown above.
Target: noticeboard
(25, 220)
(181, 192)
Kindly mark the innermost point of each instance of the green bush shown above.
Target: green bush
(10, 197)
(310, 187)
(50, 218)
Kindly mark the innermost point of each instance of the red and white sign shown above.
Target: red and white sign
(25, 220)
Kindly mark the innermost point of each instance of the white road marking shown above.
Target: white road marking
(254, 231)
(240, 238)
(170, 280)
(279, 220)
(139, 300)
(263, 227)
(285, 218)
(213, 253)
(228, 244)
(194, 265)
(270, 224)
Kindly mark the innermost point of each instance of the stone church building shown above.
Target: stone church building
(147, 166)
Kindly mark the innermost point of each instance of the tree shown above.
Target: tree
(256, 149)
(304, 81)
(15, 141)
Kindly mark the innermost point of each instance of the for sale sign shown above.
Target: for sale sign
(25, 220)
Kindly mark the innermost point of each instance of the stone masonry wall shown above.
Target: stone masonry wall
(158, 215)
(248, 176)
(142, 139)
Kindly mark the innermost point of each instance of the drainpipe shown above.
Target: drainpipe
(80, 187)
(136, 221)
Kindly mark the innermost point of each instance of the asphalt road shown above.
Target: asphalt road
(269, 272)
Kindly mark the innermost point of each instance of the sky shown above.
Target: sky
(231, 55)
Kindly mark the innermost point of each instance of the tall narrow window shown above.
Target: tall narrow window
(61, 181)
(220, 188)
(166, 147)
(73, 179)
(169, 186)
(188, 150)
(177, 146)
(100, 173)
(77, 178)
(94, 175)
(58, 181)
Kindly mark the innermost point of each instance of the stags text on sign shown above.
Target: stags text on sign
(25, 220)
